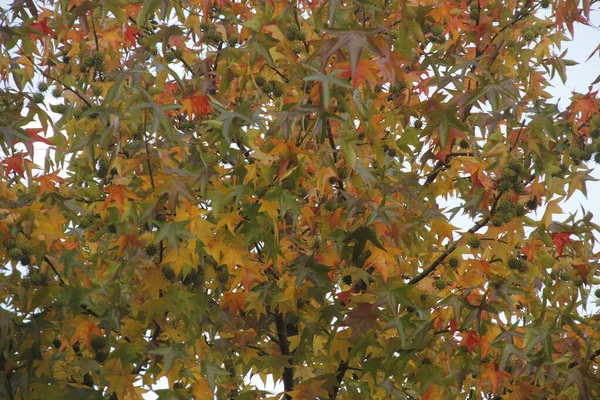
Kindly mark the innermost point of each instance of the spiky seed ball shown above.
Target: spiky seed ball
(86, 220)
(178, 53)
(475, 243)
(232, 40)
(301, 36)
(532, 204)
(37, 98)
(302, 192)
(277, 91)
(205, 26)
(529, 34)
(437, 30)
(168, 273)
(38, 279)
(394, 34)
(511, 43)
(98, 342)
(296, 48)
(43, 86)
(518, 188)
(453, 262)
(151, 250)
(506, 206)
(57, 92)
(102, 168)
(515, 263)
(578, 281)
(291, 32)
(223, 275)
(545, 4)
(521, 211)
(564, 275)
(292, 318)
(170, 57)
(360, 260)
(440, 284)
(100, 356)
(59, 108)
(343, 173)
(288, 184)
(418, 124)
(347, 279)
(516, 165)
(260, 81)
(463, 144)
(509, 174)
(497, 221)
(330, 205)
(392, 152)
(261, 191)
(213, 36)
(504, 185)
(15, 254)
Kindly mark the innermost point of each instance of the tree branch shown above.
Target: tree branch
(284, 347)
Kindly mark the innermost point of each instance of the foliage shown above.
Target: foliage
(253, 188)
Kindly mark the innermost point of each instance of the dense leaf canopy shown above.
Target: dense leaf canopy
(215, 191)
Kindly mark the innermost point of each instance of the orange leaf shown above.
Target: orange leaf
(118, 193)
(233, 301)
(47, 181)
(196, 105)
(366, 70)
(15, 164)
(84, 327)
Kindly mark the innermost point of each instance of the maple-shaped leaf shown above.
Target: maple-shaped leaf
(172, 231)
(196, 105)
(354, 41)
(118, 194)
(362, 318)
(130, 34)
(39, 29)
(492, 374)
(15, 164)
(48, 182)
(84, 328)
(560, 239)
(175, 186)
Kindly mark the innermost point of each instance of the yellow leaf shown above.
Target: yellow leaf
(551, 208)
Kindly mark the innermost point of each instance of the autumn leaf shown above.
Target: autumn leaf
(560, 239)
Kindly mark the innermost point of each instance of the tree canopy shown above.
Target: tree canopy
(211, 191)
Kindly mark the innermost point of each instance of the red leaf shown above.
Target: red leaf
(42, 27)
(471, 340)
(15, 164)
(130, 34)
(196, 105)
(33, 134)
(344, 296)
(453, 325)
(559, 240)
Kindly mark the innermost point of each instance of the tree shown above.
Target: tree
(253, 188)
